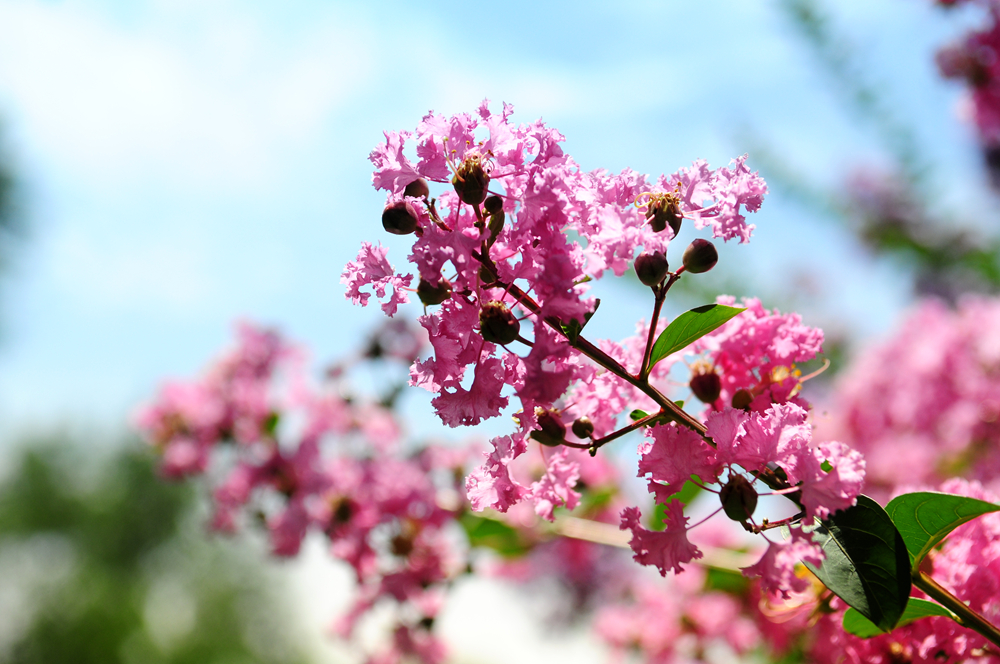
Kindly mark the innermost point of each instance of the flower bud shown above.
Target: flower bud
(399, 218)
(706, 386)
(433, 294)
(493, 204)
(471, 181)
(700, 256)
(664, 211)
(651, 267)
(739, 499)
(418, 189)
(497, 324)
(742, 399)
(551, 431)
(583, 427)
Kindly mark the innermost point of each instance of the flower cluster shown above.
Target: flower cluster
(305, 458)
(925, 404)
(975, 60)
(505, 253)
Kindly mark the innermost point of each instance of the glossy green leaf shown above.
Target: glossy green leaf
(926, 517)
(866, 562)
(493, 534)
(916, 608)
(689, 327)
(637, 415)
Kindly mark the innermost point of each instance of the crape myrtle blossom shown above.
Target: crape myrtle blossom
(306, 458)
(925, 404)
(545, 194)
(503, 256)
(974, 59)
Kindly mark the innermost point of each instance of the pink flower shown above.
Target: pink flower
(555, 488)
(481, 401)
(824, 493)
(776, 568)
(676, 454)
(372, 269)
(665, 550)
(490, 485)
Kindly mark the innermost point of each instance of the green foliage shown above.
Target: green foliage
(689, 327)
(916, 608)
(727, 581)
(926, 517)
(493, 534)
(118, 569)
(866, 562)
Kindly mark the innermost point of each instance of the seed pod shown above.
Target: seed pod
(551, 431)
(399, 218)
(418, 189)
(651, 267)
(497, 324)
(583, 427)
(706, 386)
(471, 181)
(742, 399)
(700, 256)
(429, 294)
(739, 499)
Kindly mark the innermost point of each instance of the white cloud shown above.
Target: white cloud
(215, 106)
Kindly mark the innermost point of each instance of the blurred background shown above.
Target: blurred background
(168, 167)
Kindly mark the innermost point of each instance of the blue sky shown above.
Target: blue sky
(185, 163)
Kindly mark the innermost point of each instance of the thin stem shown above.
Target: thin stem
(638, 424)
(967, 616)
(669, 409)
(660, 295)
(768, 525)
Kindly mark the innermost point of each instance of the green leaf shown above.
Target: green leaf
(916, 608)
(866, 562)
(926, 517)
(727, 581)
(493, 534)
(690, 326)
(637, 415)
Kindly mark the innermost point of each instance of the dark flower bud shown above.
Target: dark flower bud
(739, 499)
(401, 546)
(706, 386)
(742, 399)
(497, 324)
(418, 189)
(471, 181)
(433, 294)
(663, 211)
(651, 267)
(551, 431)
(399, 218)
(583, 427)
(700, 256)
(493, 204)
